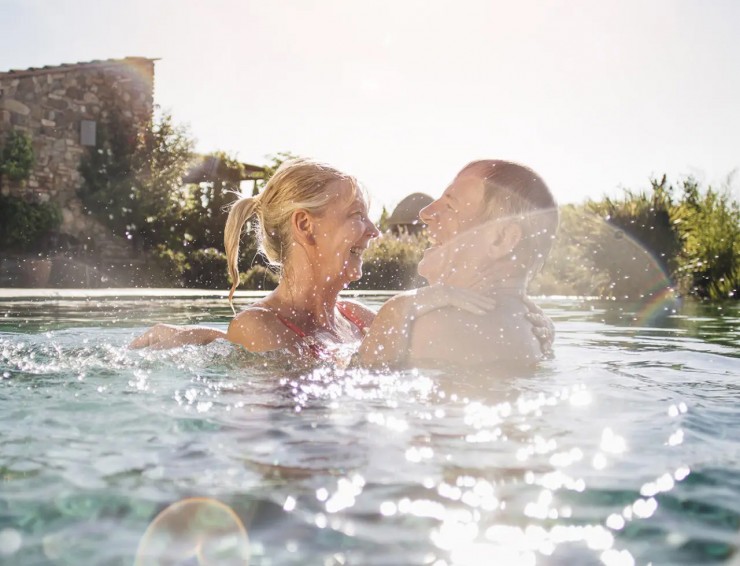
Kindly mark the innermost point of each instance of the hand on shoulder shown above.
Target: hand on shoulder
(542, 327)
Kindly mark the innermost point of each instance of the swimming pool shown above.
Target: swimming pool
(622, 450)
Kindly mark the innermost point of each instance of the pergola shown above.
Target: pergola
(209, 169)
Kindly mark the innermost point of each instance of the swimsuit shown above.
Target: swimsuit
(318, 350)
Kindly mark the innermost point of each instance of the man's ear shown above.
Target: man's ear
(506, 237)
(302, 226)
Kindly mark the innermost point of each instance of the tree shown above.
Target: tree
(709, 226)
(571, 268)
(17, 157)
(383, 221)
(207, 203)
(132, 179)
(646, 217)
(275, 161)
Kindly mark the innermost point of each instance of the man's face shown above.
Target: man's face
(460, 207)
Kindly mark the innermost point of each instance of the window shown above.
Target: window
(87, 132)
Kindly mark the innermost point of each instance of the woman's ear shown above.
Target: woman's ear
(302, 225)
(506, 237)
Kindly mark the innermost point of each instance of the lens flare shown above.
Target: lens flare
(623, 267)
(199, 531)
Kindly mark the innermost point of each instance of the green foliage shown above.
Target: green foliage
(171, 264)
(206, 269)
(626, 247)
(382, 223)
(570, 268)
(259, 278)
(131, 180)
(275, 161)
(17, 157)
(390, 262)
(24, 226)
(632, 240)
(646, 217)
(205, 205)
(620, 247)
(709, 226)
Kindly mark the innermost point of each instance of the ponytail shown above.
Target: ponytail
(241, 210)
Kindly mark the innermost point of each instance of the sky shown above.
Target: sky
(594, 96)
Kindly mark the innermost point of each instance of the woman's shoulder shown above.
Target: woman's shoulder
(259, 329)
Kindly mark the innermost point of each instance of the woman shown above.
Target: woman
(312, 223)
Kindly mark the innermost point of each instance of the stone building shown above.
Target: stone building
(60, 108)
(63, 110)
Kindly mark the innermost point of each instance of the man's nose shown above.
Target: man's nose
(426, 213)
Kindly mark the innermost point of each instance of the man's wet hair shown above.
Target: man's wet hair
(515, 191)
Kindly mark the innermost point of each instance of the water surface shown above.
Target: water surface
(622, 450)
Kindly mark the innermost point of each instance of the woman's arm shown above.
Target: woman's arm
(164, 336)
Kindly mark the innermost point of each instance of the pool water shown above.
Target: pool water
(624, 449)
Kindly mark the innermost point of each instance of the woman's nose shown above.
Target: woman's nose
(373, 229)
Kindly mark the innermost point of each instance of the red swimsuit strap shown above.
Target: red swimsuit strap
(344, 309)
(341, 307)
(317, 349)
(290, 325)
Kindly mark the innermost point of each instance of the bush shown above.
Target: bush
(131, 180)
(645, 216)
(390, 263)
(259, 278)
(172, 264)
(643, 242)
(206, 269)
(570, 268)
(16, 159)
(25, 227)
(709, 226)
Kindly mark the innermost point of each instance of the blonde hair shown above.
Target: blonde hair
(516, 191)
(297, 184)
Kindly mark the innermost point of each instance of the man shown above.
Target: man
(491, 231)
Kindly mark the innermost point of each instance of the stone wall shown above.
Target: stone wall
(49, 105)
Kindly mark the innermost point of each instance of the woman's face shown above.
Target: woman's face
(342, 233)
